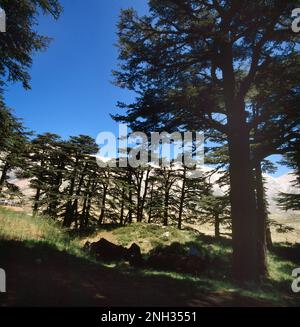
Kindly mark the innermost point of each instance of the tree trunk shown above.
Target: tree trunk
(84, 218)
(182, 198)
(246, 261)
(138, 205)
(122, 207)
(101, 217)
(166, 207)
(269, 238)
(130, 207)
(68, 215)
(75, 211)
(87, 212)
(150, 209)
(83, 213)
(246, 265)
(217, 226)
(3, 176)
(36, 201)
(262, 216)
(143, 200)
(69, 207)
(53, 206)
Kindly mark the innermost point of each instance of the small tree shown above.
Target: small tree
(216, 211)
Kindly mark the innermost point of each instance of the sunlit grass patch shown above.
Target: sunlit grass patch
(36, 230)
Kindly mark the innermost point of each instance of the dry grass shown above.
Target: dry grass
(23, 227)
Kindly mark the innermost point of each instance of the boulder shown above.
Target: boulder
(164, 260)
(135, 256)
(107, 251)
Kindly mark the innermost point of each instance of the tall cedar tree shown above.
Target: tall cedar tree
(214, 52)
(78, 149)
(43, 165)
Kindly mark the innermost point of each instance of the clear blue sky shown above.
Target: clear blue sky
(71, 84)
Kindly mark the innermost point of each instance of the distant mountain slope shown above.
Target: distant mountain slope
(274, 185)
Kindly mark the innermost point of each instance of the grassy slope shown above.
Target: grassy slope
(41, 248)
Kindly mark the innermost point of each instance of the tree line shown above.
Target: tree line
(71, 187)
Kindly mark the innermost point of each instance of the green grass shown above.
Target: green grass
(276, 289)
(37, 230)
(151, 236)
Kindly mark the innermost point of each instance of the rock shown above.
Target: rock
(135, 255)
(161, 259)
(107, 251)
(135, 250)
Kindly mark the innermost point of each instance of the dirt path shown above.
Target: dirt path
(41, 276)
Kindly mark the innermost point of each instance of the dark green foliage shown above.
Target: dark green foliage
(292, 159)
(13, 147)
(289, 201)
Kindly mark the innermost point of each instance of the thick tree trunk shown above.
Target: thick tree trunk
(262, 216)
(246, 261)
(246, 265)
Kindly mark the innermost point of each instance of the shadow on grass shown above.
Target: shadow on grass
(214, 259)
(38, 275)
(287, 252)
